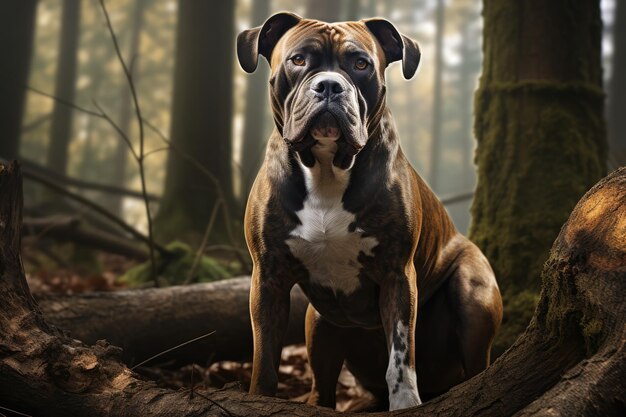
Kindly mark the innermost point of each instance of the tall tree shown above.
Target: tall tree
(352, 10)
(541, 138)
(617, 92)
(65, 89)
(201, 121)
(256, 100)
(17, 26)
(126, 111)
(436, 137)
(468, 68)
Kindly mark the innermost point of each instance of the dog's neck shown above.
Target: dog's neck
(324, 178)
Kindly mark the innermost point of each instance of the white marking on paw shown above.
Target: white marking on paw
(401, 378)
(323, 242)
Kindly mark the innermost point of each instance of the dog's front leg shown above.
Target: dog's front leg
(398, 310)
(269, 312)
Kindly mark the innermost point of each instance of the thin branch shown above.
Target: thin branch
(456, 198)
(205, 239)
(15, 412)
(205, 171)
(65, 102)
(171, 349)
(140, 121)
(118, 129)
(30, 166)
(153, 151)
(128, 75)
(97, 208)
(214, 403)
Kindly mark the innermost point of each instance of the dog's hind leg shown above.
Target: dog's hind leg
(474, 293)
(326, 355)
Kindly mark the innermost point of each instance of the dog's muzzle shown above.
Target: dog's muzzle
(326, 110)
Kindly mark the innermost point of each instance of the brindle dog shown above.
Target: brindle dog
(337, 209)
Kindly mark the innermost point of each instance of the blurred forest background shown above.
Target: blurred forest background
(69, 113)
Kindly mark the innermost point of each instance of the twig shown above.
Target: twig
(15, 412)
(153, 151)
(67, 228)
(29, 166)
(65, 102)
(215, 403)
(140, 157)
(205, 239)
(205, 171)
(118, 129)
(171, 349)
(456, 198)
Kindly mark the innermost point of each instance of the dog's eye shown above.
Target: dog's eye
(298, 60)
(361, 64)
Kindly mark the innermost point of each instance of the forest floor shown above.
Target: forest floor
(294, 371)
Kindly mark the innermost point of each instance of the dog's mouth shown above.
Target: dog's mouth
(325, 128)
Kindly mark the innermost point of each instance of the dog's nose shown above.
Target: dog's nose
(327, 86)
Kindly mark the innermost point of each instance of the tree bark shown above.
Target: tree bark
(570, 361)
(541, 139)
(61, 128)
(254, 132)
(617, 92)
(17, 27)
(156, 322)
(201, 122)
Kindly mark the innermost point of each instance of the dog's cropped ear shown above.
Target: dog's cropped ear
(396, 46)
(263, 39)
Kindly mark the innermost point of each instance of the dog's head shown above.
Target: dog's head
(327, 79)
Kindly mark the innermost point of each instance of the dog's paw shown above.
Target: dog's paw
(404, 398)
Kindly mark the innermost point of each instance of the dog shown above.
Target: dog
(396, 293)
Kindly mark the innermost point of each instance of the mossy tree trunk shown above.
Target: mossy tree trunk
(199, 169)
(541, 138)
(17, 26)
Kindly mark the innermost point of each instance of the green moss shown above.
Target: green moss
(592, 332)
(541, 145)
(518, 310)
(175, 269)
(563, 312)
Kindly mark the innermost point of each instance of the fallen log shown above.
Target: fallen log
(570, 361)
(69, 228)
(149, 321)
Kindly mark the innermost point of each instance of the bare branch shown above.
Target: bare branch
(118, 129)
(205, 239)
(29, 166)
(140, 121)
(42, 179)
(65, 102)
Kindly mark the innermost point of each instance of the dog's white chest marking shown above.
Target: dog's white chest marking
(327, 241)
